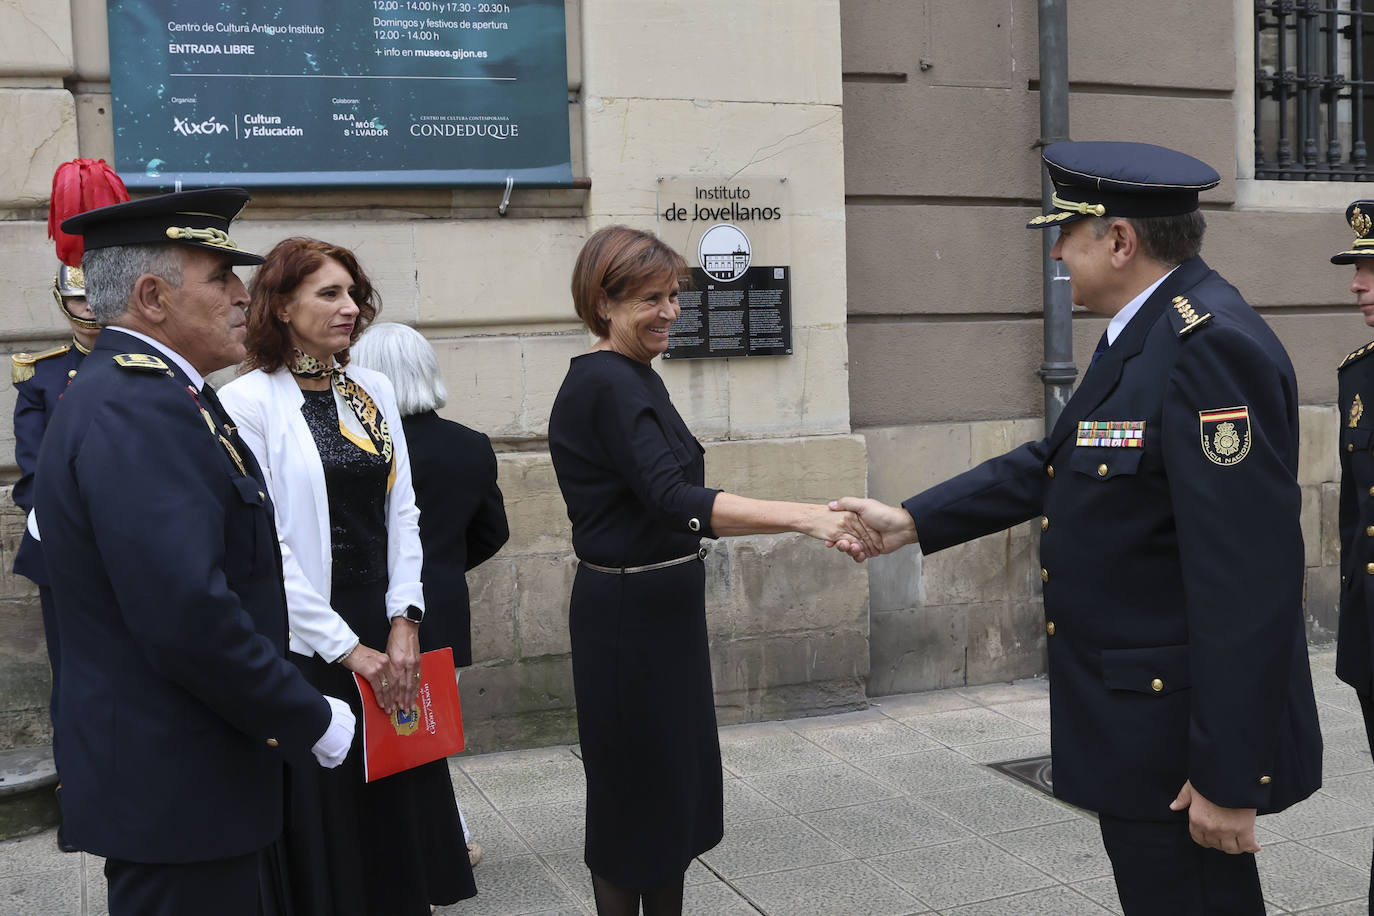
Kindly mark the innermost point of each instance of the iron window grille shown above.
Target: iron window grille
(1312, 97)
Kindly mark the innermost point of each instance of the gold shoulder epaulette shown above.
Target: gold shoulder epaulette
(1358, 354)
(21, 368)
(1185, 317)
(140, 361)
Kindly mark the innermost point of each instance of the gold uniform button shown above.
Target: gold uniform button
(1049, 627)
(1045, 574)
(1101, 470)
(71, 373)
(1371, 491)
(1369, 568)
(1265, 780)
(271, 742)
(1369, 532)
(262, 495)
(1156, 685)
(1350, 447)
(1049, 469)
(1045, 524)
(694, 524)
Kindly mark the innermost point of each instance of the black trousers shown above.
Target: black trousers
(221, 887)
(1367, 707)
(1160, 870)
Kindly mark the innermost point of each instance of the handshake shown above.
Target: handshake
(865, 528)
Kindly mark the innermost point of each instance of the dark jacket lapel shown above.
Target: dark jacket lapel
(1102, 378)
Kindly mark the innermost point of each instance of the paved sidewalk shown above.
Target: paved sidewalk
(884, 811)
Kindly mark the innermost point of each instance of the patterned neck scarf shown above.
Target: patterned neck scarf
(358, 400)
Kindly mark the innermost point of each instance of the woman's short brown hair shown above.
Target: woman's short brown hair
(272, 287)
(617, 261)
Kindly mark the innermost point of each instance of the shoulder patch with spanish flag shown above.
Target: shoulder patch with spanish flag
(1225, 434)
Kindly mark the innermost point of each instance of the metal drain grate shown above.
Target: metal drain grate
(1036, 772)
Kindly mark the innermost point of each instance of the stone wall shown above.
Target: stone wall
(762, 99)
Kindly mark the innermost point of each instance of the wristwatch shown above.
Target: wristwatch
(414, 614)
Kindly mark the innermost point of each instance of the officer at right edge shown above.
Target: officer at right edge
(1355, 644)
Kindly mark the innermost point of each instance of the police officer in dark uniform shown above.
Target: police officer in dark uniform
(1355, 642)
(39, 380)
(1180, 695)
(178, 708)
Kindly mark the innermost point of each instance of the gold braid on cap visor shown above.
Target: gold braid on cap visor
(217, 237)
(1081, 209)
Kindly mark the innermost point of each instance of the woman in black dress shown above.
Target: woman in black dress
(632, 476)
(328, 437)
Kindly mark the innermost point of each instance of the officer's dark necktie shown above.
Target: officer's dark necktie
(1102, 346)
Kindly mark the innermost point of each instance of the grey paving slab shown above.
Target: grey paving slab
(1346, 740)
(1101, 891)
(470, 799)
(714, 899)
(1338, 719)
(965, 871)
(1318, 815)
(839, 889)
(519, 783)
(866, 740)
(1054, 901)
(744, 804)
(1069, 851)
(866, 716)
(570, 868)
(1015, 691)
(969, 726)
(910, 705)
(884, 827)
(820, 788)
(97, 889)
(1035, 713)
(1355, 789)
(774, 845)
(37, 852)
(1344, 762)
(1349, 908)
(754, 750)
(498, 839)
(1037, 745)
(514, 887)
(1294, 877)
(1342, 696)
(999, 807)
(1351, 846)
(50, 892)
(924, 772)
(546, 827)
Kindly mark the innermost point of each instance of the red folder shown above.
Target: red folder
(429, 730)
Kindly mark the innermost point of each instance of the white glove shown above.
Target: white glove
(333, 745)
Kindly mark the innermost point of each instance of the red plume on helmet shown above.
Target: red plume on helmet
(78, 186)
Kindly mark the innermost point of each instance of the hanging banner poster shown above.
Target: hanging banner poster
(733, 233)
(340, 93)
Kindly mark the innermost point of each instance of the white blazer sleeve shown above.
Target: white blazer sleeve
(405, 556)
(261, 422)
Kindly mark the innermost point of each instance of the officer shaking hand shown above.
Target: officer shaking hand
(1172, 560)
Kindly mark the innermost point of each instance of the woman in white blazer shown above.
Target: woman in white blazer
(330, 442)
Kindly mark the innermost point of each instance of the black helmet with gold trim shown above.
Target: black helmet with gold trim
(1360, 216)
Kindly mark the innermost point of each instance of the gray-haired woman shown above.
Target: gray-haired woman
(453, 470)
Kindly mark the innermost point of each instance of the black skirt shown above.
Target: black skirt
(646, 720)
(385, 848)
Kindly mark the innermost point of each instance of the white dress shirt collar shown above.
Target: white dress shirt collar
(197, 380)
(1123, 317)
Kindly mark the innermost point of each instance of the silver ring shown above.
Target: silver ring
(384, 683)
